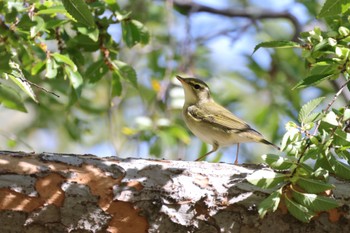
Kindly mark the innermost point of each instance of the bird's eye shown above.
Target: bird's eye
(197, 86)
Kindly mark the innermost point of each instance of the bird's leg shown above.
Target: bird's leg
(236, 161)
(215, 148)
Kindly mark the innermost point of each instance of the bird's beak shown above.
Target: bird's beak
(182, 80)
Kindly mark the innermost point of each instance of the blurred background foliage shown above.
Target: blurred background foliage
(101, 80)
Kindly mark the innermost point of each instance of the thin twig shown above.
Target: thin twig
(337, 84)
(23, 79)
(301, 156)
(226, 32)
(330, 104)
(40, 87)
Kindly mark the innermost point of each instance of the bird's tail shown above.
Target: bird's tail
(269, 143)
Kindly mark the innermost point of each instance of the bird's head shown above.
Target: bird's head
(195, 90)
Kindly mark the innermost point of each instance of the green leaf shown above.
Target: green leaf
(40, 26)
(121, 16)
(290, 138)
(316, 51)
(38, 67)
(270, 203)
(18, 78)
(312, 153)
(345, 6)
(51, 68)
(92, 33)
(217, 158)
(61, 58)
(73, 95)
(320, 173)
(54, 23)
(72, 126)
(80, 11)
(24, 85)
(322, 162)
(112, 5)
(4, 61)
(300, 212)
(203, 149)
(324, 67)
(313, 186)
(266, 179)
(156, 149)
(75, 79)
(333, 8)
(25, 24)
(313, 80)
(307, 109)
(330, 118)
(305, 170)
(341, 138)
(125, 71)
(277, 44)
(84, 42)
(166, 139)
(310, 120)
(11, 99)
(344, 154)
(52, 10)
(346, 115)
(314, 202)
(96, 71)
(12, 143)
(338, 168)
(134, 32)
(180, 133)
(277, 162)
(343, 31)
(116, 84)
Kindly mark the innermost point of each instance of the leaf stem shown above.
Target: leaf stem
(301, 156)
(41, 88)
(330, 104)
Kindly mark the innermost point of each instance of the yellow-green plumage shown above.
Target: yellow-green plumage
(211, 122)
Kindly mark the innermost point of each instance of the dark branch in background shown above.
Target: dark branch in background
(60, 43)
(233, 33)
(254, 15)
(187, 53)
(8, 30)
(103, 49)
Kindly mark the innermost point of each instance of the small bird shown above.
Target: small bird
(213, 123)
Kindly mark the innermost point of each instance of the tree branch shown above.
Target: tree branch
(254, 15)
(68, 192)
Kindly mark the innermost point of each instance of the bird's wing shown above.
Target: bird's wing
(221, 117)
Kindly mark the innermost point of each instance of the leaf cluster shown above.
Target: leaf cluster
(55, 52)
(56, 20)
(318, 145)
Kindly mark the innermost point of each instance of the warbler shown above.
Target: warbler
(213, 123)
